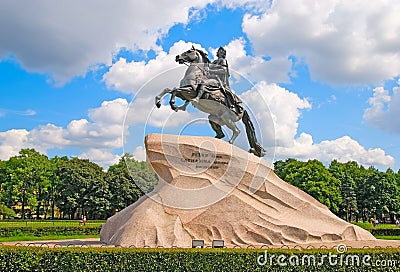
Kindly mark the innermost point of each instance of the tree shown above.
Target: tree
(347, 173)
(27, 177)
(6, 212)
(4, 181)
(124, 190)
(380, 194)
(144, 178)
(313, 178)
(52, 192)
(82, 189)
(349, 197)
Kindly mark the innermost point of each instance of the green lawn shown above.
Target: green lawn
(48, 237)
(388, 237)
(49, 223)
(369, 226)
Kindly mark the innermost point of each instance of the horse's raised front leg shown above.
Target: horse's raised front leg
(172, 101)
(158, 97)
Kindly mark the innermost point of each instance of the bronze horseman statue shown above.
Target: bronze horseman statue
(206, 86)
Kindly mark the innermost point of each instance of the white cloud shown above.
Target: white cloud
(255, 68)
(285, 110)
(110, 112)
(272, 106)
(12, 141)
(101, 157)
(66, 37)
(97, 137)
(384, 110)
(48, 136)
(342, 42)
(28, 112)
(157, 73)
(143, 110)
(139, 154)
(343, 149)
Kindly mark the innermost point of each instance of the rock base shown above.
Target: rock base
(211, 190)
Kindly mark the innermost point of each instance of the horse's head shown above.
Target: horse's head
(192, 56)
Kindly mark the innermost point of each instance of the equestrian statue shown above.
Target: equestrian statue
(206, 86)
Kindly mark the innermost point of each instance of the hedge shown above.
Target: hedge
(48, 230)
(126, 259)
(385, 232)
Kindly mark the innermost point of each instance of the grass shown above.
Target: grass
(48, 237)
(48, 223)
(369, 226)
(387, 237)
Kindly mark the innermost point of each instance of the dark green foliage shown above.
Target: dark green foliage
(123, 259)
(82, 186)
(48, 230)
(349, 197)
(6, 212)
(348, 189)
(127, 186)
(31, 183)
(385, 232)
(144, 178)
(313, 178)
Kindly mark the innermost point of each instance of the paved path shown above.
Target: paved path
(95, 242)
(90, 242)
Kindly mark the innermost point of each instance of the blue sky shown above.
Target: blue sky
(327, 75)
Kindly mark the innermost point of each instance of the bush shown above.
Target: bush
(385, 232)
(125, 259)
(6, 212)
(48, 230)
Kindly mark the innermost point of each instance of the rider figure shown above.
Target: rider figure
(219, 70)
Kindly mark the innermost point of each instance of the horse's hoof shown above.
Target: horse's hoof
(158, 104)
(220, 136)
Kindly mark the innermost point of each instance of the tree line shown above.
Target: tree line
(349, 190)
(34, 186)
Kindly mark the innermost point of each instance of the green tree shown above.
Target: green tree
(4, 181)
(380, 194)
(124, 190)
(313, 178)
(349, 197)
(6, 212)
(144, 177)
(82, 189)
(8, 188)
(353, 177)
(52, 193)
(28, 177)
(348, 173)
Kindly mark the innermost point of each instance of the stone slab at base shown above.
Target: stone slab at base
(212, 190)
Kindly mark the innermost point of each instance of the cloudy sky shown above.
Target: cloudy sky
(328, 73)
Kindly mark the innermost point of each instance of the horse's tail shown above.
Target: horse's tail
(255, 147)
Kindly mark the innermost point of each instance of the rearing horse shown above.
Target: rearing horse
(213, 100)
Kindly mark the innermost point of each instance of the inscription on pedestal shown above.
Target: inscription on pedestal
(206, 160)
